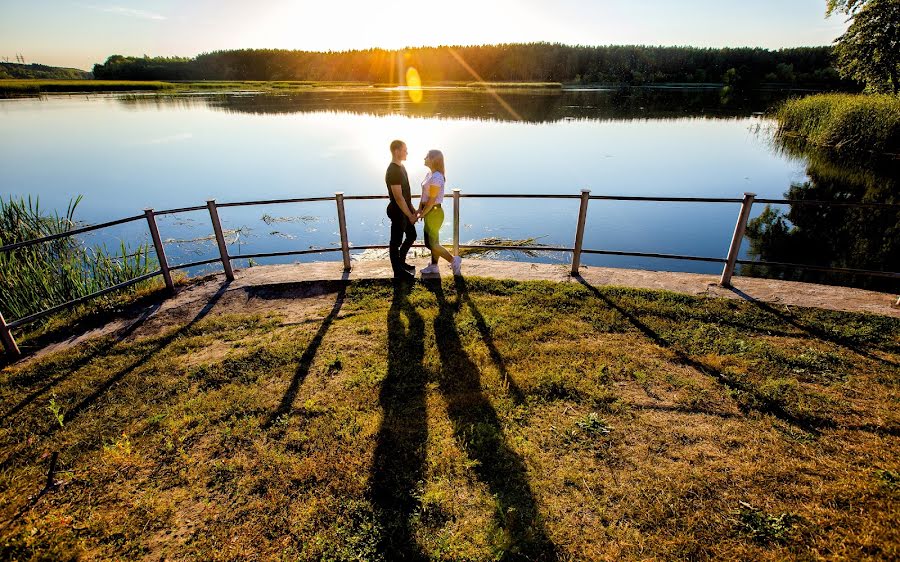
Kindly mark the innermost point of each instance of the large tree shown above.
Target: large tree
(845, 6)
(869, 51)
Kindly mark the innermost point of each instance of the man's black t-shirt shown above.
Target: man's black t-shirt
(396, 175)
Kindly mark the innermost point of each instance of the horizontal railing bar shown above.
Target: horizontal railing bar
(516, 196)
(281, 254)
(79, 300)
(888, 274)
(828, 203)
(275, 201)
(652, 255)
(181, 210)
(72, 232)
(372, 197)
(666, 199)
(194, 264)
(523, 248)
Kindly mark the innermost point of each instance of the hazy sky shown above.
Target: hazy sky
(79, 34)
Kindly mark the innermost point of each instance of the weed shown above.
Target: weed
(762, 527)
(593, 424)
(56, 410)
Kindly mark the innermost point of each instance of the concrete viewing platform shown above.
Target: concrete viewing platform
(772, 291)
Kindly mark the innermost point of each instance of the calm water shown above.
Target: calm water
(125, 153)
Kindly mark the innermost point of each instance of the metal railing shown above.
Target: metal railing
(165, 269)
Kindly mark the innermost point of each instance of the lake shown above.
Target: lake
(123, 153)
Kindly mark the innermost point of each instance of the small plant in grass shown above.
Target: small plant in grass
(56, 410)
(336, 364)
(592, 424)
(762, 527)
(890, 479)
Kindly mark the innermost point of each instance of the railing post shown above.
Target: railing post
(736, 239)
(9, 342)
(160, 250)
(220, 238)
(456, 222)
(579, 232)
(342, 224)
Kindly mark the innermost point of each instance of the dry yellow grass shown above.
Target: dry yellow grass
(474, 420)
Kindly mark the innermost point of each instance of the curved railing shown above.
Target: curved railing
(345, 248)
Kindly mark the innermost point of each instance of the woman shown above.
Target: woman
(430, 210)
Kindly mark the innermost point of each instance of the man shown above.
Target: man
(400, 211)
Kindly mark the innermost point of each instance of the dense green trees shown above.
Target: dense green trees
(869, 51)
(633, 65)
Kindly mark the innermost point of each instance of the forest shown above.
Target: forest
(621, 65)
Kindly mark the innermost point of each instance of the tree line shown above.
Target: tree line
(39, 71)
(630, 65)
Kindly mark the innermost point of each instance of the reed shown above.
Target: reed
(37, 277)
(848, 124)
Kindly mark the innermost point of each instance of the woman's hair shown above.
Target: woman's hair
(437, 161)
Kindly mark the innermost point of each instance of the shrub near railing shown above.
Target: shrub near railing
(37, 277)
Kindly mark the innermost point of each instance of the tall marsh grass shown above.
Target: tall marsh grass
(854, 125)
(37, 277)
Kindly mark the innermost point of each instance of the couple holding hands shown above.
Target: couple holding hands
(403, 218)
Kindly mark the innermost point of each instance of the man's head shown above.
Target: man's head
(398, 150)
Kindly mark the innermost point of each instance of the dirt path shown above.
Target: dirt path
(299, 292)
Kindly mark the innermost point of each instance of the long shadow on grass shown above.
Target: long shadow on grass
(462, 289)
(477, 429)
(399, 462)
(109, 383)
(158, 346)
(812, 330)
(766, 405)
(71, 369)
(309, 354)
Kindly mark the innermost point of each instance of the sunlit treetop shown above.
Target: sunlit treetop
(845, 6)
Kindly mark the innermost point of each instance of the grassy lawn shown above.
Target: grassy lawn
(469, 420)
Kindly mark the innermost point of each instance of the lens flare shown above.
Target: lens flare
(413, 85)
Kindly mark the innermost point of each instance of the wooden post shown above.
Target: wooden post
(220, 239)
(456, 222)
(342, 223)
(579, 232)
(9, 342)
(160, 250)
(735, 247)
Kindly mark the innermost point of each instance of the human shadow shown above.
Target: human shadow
(309, 354)
(398, 465)
(478, 431)
(462, 290)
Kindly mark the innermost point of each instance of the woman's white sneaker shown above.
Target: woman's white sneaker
(456, 264)
(431, 269)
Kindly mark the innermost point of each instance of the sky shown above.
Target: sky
(80, 33)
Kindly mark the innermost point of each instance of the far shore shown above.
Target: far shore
(31, 87)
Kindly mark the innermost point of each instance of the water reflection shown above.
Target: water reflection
(831, 236)
(530, 106)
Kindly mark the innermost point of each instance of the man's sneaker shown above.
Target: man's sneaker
(404, 275)
(456, 264)
(431, 269)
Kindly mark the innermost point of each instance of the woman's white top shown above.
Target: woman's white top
(433, 178)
